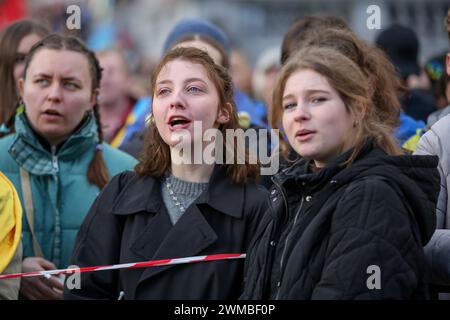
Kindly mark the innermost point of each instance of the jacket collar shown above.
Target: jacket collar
(144, 194)
(300, 172)
(27, 149)
(415, 177)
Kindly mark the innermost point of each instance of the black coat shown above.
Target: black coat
(129, 223)
(325, 230)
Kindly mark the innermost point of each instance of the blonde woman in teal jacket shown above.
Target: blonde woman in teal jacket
(56, 158)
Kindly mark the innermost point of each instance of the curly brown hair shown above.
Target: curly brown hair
(155, 158)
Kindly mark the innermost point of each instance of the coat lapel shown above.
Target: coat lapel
(191, 235)
(188, 237)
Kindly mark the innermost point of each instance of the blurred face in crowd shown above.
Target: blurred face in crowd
(57, 92)
(241, 71)
(270, 78)
(184, 93)
(202, 45)
(114, 77)
(315, 118)
(24, 46)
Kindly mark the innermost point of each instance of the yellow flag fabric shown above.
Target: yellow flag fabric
(10, 221)
(411, 144)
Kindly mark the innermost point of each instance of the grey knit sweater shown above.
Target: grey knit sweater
(178, 195)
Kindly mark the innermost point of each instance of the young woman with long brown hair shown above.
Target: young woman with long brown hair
(349, 219)
(172, 209)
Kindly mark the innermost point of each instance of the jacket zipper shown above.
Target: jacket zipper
(54, 158)
(272, 236)
(283, 195)
(288, 237)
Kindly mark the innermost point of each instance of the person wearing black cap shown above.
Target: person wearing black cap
(402, 47)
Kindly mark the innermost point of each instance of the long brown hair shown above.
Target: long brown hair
(374, 64)
(97, 172)
(10, 39)
(155, 158)
(301, 29)
(354, 88)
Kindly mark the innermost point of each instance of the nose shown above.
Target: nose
(301, 113)
(54, 94)
(177, 101)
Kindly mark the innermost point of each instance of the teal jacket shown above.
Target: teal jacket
(60, 190)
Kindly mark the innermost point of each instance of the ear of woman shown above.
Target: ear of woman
(95, 95)
(225, 113)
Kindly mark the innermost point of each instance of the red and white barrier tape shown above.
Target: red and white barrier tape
(151, 263)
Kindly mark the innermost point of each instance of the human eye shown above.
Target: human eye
(162, 91)
(41, 82)
(19, 58)
(318, 99)
(71, 85)
(194, 89)
(290, 105)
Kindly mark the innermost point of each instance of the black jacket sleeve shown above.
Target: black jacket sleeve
(374, 251)
(98, 243)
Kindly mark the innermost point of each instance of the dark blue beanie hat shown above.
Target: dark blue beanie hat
(197, 26)
(401, 44)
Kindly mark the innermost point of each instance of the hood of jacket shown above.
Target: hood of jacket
(416, 178)
(29, 153)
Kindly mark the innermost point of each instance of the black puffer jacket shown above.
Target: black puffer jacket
(331, 233)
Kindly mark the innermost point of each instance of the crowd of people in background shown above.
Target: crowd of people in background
(88, 174)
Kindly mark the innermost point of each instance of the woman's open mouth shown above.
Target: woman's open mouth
(178, 122)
